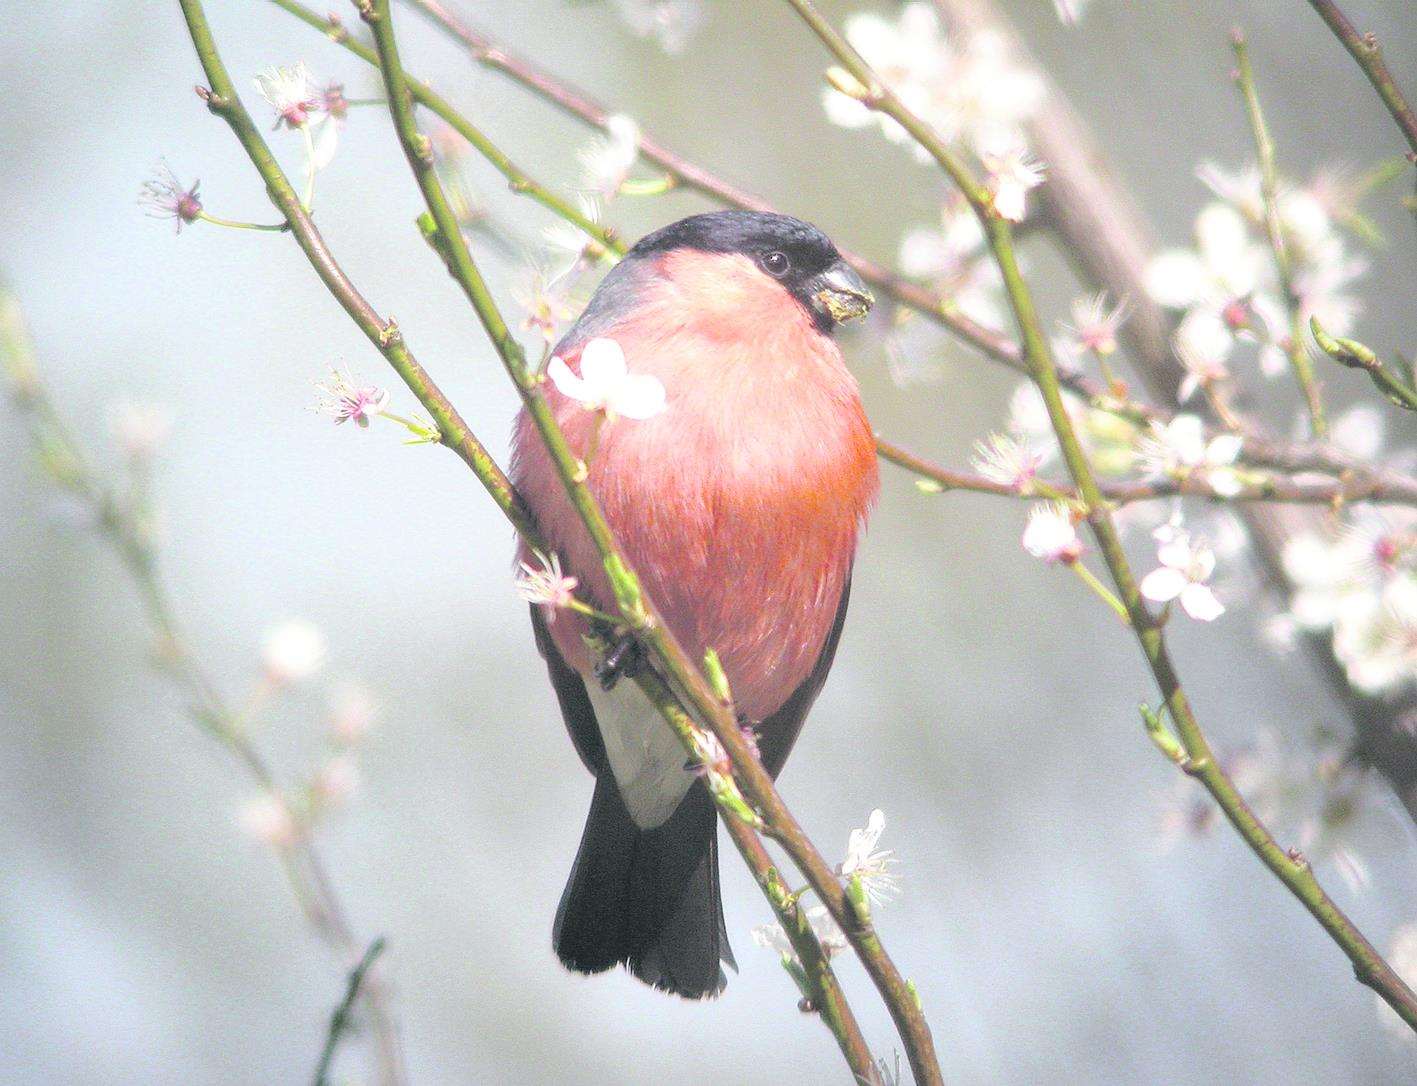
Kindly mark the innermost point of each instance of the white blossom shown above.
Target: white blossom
(292, 651)
(1185, 567)
(1051, 535)
(607, 161)
(342, 398)
(871, 867)
(1011, 172)
(606, 384)
(1180, 447)
(268, 819)
(828, 933)
(1094, 326)
(1006, 460)
(975, 92)
(291, 92)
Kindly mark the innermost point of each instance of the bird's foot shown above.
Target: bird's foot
(622, 661)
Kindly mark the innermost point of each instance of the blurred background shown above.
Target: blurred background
(984, 701)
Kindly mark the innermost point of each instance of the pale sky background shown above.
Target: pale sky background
(981, 699)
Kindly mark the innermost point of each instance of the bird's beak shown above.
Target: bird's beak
(840, 294)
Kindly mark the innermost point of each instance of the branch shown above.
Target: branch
(1298, 353)
(340, 1020)
(1288, 866)
(1365, 50)
(64, 456)
(1325, 492)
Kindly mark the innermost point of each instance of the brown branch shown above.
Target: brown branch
(1365, 50)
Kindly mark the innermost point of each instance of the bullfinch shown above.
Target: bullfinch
(739, 505)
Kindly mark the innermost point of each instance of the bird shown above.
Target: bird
(740, 506)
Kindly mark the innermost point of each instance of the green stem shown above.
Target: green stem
(278, 227)
(1296, 350)
(1288, 866)
(1102, 592)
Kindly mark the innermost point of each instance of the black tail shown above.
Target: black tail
(647, 898)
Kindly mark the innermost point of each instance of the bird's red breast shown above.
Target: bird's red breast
(739, 505)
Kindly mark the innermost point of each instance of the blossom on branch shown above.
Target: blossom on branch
(342, 399)
(1180, 447)
(1094, 326)
(605, 383)
(607, 161)
(973, 92)
(139, 429)
(1006, 460)
(869, 867)
(1011, 172)
(291, 93)
(547, 586)
(1185, 567)
(164, 198)
(824, 927)
(670, 22)
(1051, 534)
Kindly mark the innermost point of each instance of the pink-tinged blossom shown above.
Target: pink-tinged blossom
(343, 399)
(546, 586)
(292, 651)
(1094, 327)
(865, 863)
(1180, 447)
(670, 22)
(1051, 535)
(605, 383)
(606, 163)
(291, 93)
(1011, 172)
(336, 781)
(1185, 567)
(352, 714)
(139, 429)
(1203, 344)
(267, 818)
(1006, 460)
(163, 197)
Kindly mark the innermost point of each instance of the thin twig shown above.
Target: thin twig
(1289, 866)
(1296, 349)
(1365, 50)
(1194, 484)
(340, 1019)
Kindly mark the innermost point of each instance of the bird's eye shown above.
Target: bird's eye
(776, 264)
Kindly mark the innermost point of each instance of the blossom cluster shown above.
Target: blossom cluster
(1226, 286)
(971, 92)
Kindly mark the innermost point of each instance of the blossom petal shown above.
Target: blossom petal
(602, 364)
(1198, 601)
(566, 382)
(1163, 585)
(639, 396)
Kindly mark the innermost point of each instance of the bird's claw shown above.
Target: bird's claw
(621, 661)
